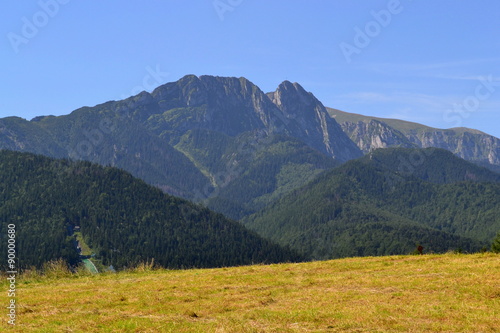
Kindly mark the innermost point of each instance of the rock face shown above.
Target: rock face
(370, 133)
(224, 104)
(308, 120)
(233, 106)
(469, 145)
(375, 134)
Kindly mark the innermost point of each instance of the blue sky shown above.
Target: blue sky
(433, 62)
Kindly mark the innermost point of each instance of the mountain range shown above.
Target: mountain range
(206, 138)
(296, 172)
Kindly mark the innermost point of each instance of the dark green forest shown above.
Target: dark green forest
(372, 206)
(387, 202)
(124, 220)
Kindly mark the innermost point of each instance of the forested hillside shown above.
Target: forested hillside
(124, 220)
(273, 170)
(433, 165)
(370, 206)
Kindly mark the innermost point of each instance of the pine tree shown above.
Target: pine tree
(495, 246)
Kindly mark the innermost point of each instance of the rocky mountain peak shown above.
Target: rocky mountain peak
(308, 120)
(233, 105)
(292, 98)
(187, 91)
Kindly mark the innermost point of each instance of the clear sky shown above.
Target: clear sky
(433, 62)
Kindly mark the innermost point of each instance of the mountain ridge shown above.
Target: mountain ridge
(374, 132)
(152, 135)
(343, 116)
(208, 138)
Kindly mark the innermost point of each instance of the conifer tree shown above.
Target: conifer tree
(495, 246)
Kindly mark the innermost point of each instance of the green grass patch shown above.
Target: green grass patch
(86, 250)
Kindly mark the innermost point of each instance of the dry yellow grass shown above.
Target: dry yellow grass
(430, 293)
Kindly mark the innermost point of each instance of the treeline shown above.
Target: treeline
(124, 220)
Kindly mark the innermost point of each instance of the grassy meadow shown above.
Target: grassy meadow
(429, 293)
